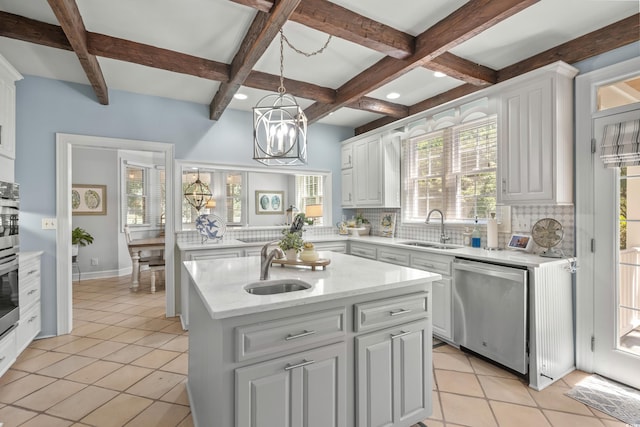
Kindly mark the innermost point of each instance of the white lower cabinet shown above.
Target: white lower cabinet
(393, 375)
(8, 351)
(442, 313)
(304, 389)
(29, 283)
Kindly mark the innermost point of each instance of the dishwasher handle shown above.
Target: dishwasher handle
(493, 270)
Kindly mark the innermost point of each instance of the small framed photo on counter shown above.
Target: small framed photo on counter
(521, 242)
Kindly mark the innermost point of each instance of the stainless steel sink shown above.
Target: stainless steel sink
(279, 286)
(430, 245)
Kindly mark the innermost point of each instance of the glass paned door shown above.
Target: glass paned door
(629, 260)
(616, 268)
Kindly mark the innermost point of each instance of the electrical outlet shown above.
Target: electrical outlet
(49, 223)
(94, 261)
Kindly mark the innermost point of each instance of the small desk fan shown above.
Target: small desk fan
(548, 233)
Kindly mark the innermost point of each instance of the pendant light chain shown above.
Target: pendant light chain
(283, 39)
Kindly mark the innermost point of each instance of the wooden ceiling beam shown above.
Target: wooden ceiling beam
(264, 28)
(463, 70)
(618, 34)
(155, 57)
(607, 38)
(472, 18)
(271, 82)
(32, 31)
(68, 16)
(330, 18)
(396, 111)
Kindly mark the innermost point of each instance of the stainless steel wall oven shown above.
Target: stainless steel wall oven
(9, 247)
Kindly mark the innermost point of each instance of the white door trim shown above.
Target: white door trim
(64, 145)
(586, 111)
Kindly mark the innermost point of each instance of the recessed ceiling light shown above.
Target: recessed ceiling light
(240, 96)
(393, 95)
(439, 74)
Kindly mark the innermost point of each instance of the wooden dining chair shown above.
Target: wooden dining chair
(153, 262)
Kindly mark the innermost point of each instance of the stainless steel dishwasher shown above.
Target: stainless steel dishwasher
(490, 312)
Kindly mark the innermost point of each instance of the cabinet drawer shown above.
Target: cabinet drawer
(29, 294)
(363, 251)
(390, 311)
(28, 327)
(433, 263)
(29, 271)
(215, 254)
(7, 351)
(280, 335)
(393, 257)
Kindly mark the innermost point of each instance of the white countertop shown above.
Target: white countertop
(233, 243)
(220, 283)
(503, 256)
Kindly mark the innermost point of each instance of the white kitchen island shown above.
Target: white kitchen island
(353, 350)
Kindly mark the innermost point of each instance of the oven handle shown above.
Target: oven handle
(8, 266)
(492, 270)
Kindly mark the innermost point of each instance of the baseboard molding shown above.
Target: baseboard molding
(105, 274)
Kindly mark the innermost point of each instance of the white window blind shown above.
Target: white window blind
(452, 169)
(136, 195)
(309, 191)
(621, 144)
(234, 197)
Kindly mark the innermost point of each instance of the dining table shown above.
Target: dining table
(135, 247)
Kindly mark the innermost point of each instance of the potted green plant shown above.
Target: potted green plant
(79, 237)
(291, 243)
(364, 222)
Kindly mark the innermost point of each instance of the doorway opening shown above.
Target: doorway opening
(65, 143)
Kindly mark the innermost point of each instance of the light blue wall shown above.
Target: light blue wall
(46, 106)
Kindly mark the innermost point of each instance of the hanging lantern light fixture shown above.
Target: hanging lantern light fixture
(197, 193)
(279, 123)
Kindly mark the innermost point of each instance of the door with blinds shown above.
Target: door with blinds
(616, 269)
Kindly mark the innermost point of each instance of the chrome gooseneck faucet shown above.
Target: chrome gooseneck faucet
(266, 257)
(443, 237)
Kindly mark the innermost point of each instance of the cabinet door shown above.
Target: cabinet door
(441, 308)
(348, 198)
(527, 144)
(304, 389)
(347, 156)
(367, 179)
(393, 375)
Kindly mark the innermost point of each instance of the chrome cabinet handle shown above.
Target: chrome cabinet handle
(31, 292)
(504, 185)
(401, 334)
(31, 272)
(299, 365)
(399, 312)
(32, 318)
(300, 335)
(424, 264)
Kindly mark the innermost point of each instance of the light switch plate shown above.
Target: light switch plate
(49, 224)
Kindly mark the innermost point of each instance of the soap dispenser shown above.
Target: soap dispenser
(475, 236)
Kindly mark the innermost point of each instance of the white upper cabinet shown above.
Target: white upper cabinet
(535, 164)
(375, 175)
(347, 155)
(8, 77)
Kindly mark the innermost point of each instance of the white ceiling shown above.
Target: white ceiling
(214, 29)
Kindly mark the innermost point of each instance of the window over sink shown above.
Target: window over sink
(449, 163)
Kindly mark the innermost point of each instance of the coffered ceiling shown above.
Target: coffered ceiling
(207, 51)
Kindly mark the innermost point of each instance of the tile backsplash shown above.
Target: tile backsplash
(522, 220)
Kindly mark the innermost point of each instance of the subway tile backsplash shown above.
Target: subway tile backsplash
(522, 220)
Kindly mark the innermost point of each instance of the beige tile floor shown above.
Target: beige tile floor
(125, 364)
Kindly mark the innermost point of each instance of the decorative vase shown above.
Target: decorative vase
(309, 255)
(291, 254)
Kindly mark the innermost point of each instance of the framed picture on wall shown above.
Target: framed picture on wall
(269, 202)
(88, 199)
